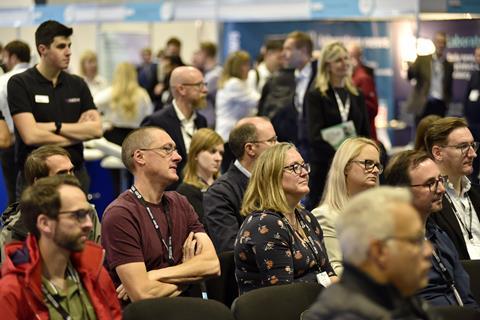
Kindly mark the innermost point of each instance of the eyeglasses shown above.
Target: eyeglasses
(200, 84)
(298, 167)
(166, 149)
(433, 184)
(370, 164)
(272, 140)
(465, 147)
(418, 241)
(80, 214)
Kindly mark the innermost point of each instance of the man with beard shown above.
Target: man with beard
(180, 119)
(56, 273)
(450, 144)
(448, 282)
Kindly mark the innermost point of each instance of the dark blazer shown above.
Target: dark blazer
(167, 119)
(323, 112)
(221, 204)
(195, 196)
(447, 221)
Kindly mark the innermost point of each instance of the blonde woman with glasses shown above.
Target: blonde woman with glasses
(355, 167)
(279, 242)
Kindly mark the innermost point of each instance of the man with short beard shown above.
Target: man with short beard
(180, 119)
(56, 273)
(450, 144)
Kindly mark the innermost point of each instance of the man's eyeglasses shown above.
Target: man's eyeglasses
(272, 140)
(200, 84)
(166, 149)
(465, 147)
(433, 184)
(298, 167)
(370, 164)
(418, 241)
(80, 214)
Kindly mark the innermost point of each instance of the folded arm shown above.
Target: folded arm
(89, 126)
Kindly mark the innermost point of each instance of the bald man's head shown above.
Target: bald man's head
(257, 131)
(187, 85)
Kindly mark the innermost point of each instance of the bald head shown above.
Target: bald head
(258, 131)
(184, 74)
(355, 51)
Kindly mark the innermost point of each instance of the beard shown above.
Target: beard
(200, 103)
(68, 241)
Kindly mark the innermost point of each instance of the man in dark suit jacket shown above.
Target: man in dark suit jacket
(180, 119)
(283, 96)
(433, 88)
(451, 145)
(222, 201)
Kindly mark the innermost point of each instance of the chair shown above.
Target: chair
(224, 288)
(473, 269)
(455, 312)
(179, 308)
(284, 302)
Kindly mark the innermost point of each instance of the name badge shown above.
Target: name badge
(324, 279)
(473, 96)
(41, 99)
(73, 100)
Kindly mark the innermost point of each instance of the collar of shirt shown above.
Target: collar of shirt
(242, 168)
(22, 65)
(304, 73)
(465, 187)
(181, 116)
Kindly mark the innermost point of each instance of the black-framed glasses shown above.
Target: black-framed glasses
(272, 140)
(200, 84)
(80, 214)
(167, 149)
(418, 241)
(432, 184)
(369, 165)
(298, 167)
(465, 147)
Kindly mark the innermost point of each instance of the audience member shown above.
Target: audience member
(386, 260)
(363, 77)
(162, 89)
(355, 168)
(89, 71)
(205, 59)
(148, 73)
(235, 100)
(16, 56)
(448, 283)
(222, 200)
(279, 242)
(202, 168)
(56, 273)
(49, 160)
(155, 245)
(51, 106)
(471, 105)
(334, 102)
(422, 127)
(432, 91)
(124, 104)
(181, 119)
(283, 96)
(451, 146)
(271, 63)
(173, 47)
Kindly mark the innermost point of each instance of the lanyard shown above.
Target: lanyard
(447, 277)
(168, 246)
(464, 224)
(343, 108)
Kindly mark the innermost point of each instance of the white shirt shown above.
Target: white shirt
(97, 85)
(187, 125)
(20, 67)
(242, 169)
(464, 212)
(302, 78)
(436, 82)
(234, 102)
(257, 81)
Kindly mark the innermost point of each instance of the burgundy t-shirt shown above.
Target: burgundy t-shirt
(128, 234)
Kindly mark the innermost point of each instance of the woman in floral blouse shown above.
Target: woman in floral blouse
(279, 242)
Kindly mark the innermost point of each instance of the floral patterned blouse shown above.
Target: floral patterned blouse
(269, 252)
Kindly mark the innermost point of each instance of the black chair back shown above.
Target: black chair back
(224, 288)
(473, 269)
(179, 308)
(284, 302)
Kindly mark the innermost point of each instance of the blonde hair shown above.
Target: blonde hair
(86, 55)
(330, 53)
(233, 66)
(265, 190)
(125, 90)
(336, 194)
(203, 140)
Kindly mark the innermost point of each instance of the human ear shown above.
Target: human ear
(437, 153)
(44, 224)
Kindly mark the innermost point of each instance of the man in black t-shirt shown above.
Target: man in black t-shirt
(51, 106)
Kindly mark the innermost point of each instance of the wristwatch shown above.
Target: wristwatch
(58, 127)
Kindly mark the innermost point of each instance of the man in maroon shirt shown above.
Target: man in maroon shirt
(155, 245)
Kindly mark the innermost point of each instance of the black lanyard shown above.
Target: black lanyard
(447, 277)
(168, 245)
(455, 212)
